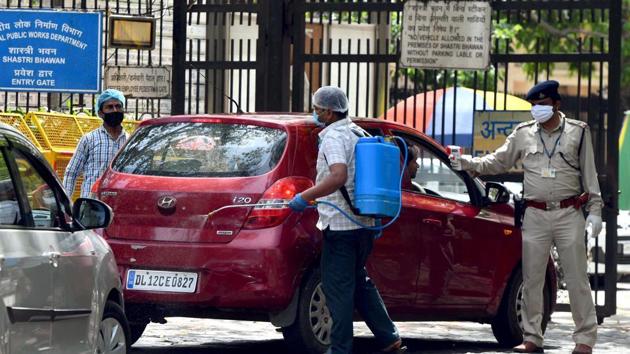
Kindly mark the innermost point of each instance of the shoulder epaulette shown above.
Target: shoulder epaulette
(525, 124)
(579, 123)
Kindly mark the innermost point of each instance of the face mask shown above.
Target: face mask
(113, 119)
(318, 122)
(542, 113)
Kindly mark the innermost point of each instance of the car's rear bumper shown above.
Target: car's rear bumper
(258, 270)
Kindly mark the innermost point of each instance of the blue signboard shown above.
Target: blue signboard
(51, 51)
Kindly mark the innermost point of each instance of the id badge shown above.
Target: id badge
(548, 172)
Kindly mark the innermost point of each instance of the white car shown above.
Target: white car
(597, 250)
(60, 291)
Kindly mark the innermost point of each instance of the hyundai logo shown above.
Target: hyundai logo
(167, 202)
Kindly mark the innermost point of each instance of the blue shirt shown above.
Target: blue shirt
(93, 154)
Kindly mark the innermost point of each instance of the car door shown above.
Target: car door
(74, 258)
(26, 272)
(394, 259)
(458, 236)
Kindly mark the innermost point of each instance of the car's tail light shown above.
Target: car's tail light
(280, 192)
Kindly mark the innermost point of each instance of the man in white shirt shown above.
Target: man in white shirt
(346, 245)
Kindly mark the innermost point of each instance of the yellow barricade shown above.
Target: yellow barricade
(17, 121)
(130, 126)
(59, 134)
(58, 131)
(88, 123)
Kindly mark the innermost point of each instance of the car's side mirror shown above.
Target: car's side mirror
(91, 214)
(497, 193)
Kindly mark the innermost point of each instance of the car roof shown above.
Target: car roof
(282, 119)
(276, 118)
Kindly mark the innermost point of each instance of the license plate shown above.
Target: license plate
(156, 280)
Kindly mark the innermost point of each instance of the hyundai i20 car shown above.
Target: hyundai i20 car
(60, 290)
(453, 254)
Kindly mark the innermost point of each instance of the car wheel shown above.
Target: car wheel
(507, 325)
(310, 332)
(113, 332)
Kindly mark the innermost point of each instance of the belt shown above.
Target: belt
(575, 201)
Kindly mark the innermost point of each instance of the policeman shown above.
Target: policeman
(559, 177)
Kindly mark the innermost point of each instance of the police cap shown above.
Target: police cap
(544, 90)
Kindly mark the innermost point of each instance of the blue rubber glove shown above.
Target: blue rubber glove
(298, 203)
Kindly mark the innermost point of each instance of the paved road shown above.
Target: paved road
(195, 336)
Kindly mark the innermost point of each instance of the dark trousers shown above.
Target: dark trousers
(347, 286)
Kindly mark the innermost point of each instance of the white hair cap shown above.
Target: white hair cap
(331, 97)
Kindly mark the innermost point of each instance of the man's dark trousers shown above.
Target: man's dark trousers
(347, 286)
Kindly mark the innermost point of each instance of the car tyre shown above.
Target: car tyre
(113, 333)
(310, 332)
(507, 325)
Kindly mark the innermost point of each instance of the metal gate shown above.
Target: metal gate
(291, 48)
(592, 93)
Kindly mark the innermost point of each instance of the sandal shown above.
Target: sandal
(395, 348)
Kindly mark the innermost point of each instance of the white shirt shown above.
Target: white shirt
(337, 143)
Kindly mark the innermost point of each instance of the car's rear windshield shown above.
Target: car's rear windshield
(202, 150)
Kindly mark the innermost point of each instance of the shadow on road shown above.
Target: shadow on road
(361, 346)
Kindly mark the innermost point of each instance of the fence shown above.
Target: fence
(302, 45)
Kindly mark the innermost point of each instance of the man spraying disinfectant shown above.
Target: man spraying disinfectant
(346, 245)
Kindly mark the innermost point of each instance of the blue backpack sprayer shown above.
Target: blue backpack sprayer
(378, 182)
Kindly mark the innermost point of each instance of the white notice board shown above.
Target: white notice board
(446, 34)
(140, 82)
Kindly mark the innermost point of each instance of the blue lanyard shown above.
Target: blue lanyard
(555, 145)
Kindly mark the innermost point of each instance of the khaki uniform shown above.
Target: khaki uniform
(563, 227)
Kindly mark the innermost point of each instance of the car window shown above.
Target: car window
(42, 199)
(434, 177)
(9, 207)
(374, 131)
(202, 150)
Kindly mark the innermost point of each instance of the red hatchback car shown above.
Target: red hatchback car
(454, 253)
